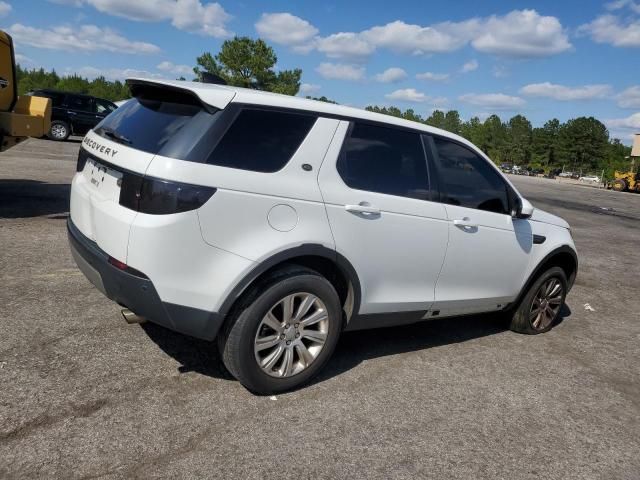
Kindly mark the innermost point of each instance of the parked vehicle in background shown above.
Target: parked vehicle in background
(590, 179)
(565, 174)
(74, 113)
(229, 213)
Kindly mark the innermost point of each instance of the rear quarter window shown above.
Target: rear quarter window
(149, 124)
(261, 140)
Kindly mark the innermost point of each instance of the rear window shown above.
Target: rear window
(261, 140)
(147, 124)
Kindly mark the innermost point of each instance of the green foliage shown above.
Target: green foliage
(29, 80)
(322, 99)
(248, 63)
(580, 145)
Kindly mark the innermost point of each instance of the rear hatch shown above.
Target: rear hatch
(160, 119)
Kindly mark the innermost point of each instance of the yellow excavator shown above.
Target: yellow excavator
(20, 117)
(629, 181)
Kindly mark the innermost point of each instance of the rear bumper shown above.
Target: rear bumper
(138, 293)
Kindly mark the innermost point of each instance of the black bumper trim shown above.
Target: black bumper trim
(138, 294)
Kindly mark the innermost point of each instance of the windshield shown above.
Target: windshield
(150, 125)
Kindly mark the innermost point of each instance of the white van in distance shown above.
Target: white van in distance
(273, 223)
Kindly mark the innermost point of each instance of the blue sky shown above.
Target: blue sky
(541, 58)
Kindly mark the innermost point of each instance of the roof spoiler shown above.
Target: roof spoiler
(180, 92)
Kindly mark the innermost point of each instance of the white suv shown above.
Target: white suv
(274, 223)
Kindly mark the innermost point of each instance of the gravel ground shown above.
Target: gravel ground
(85, 395)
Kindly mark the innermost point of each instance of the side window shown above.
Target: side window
(56, 99)
(467, 180)
(261, 140)
(384, 160)
(82, 104)
(104, 107)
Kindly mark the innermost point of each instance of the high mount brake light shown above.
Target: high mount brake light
(161, 197)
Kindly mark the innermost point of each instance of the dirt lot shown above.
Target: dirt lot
(83, 394)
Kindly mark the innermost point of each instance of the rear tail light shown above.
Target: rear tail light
(161, 197)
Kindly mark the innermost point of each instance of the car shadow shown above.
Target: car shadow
(31, 198)
(202, 357)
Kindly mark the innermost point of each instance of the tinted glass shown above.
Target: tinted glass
(102, 106)
(385, 160)
(261, 140)
(56, 98)
(149, 124)
(468, 180)
(82, 104)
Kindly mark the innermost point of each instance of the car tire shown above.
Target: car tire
(269, 360)
(540, 306)
(59, 130)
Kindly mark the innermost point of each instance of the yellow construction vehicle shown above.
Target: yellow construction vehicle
(20, 117)
(629, 181)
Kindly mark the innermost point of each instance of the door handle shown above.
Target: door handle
(71, 113)
(464, 223)
(363, 208)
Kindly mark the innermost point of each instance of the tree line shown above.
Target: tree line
(34, 79)
(580, 144)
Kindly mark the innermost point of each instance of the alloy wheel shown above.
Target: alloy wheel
(58, 131)
(546, 304)
(291, 335)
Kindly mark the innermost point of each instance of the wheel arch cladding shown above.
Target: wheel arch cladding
(564, 257)
(330, 264)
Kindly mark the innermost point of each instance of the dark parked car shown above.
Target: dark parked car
(74, 113)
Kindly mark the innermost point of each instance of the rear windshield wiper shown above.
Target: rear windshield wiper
(115, 136)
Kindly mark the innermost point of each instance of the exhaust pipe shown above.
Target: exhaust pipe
(131, 317)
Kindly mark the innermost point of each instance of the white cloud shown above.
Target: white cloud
(5, 8)
(611, 30)
(564, 93)
(189, 15)
(618, 4)
(308, 88)
(287, 29)
(343, 45)
(496, 101)
(470, 66)
(408, 95)
(631, 122)
(23, 59)
(391, 75)
(401, 37)
(86, 38)
(167, 66)
(192, 16)
(340, 71)
(629, 98)
(112, 73)
(500, 71)
(433, 77)
(522, 33)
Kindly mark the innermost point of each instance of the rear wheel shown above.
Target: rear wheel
(540, 307)
(59, 130)
(619, 185)
(283, 332)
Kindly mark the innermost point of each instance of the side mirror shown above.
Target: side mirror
(522, 208)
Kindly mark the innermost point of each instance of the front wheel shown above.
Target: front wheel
(284, 331)
(540, 307)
